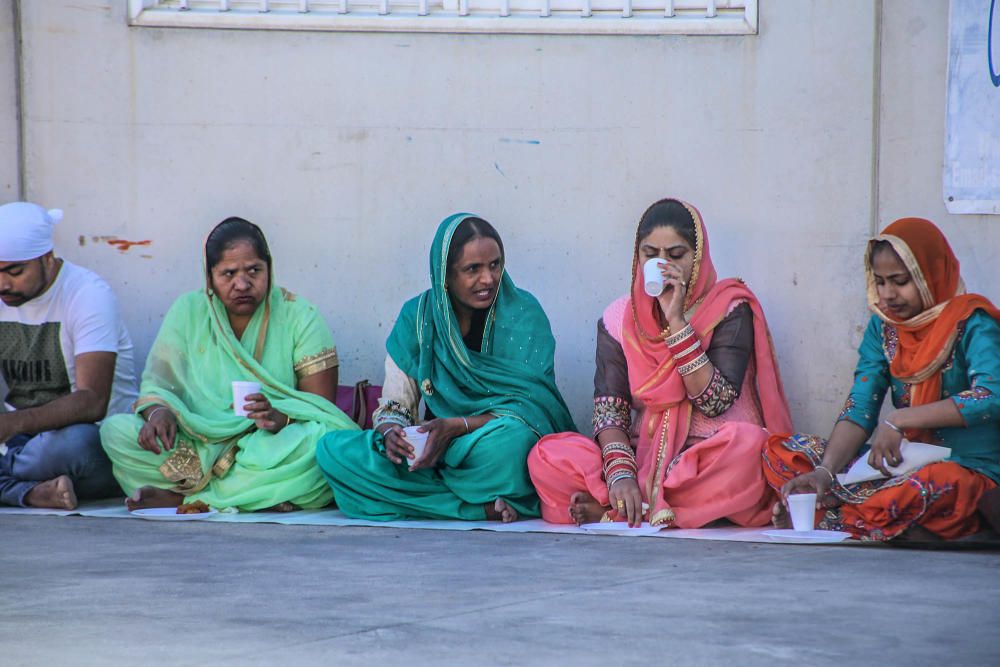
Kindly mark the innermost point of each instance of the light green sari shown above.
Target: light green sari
(221, 458)
(511, 377)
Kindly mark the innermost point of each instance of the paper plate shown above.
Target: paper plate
(169, 514)
(620, 528)
(807, 536)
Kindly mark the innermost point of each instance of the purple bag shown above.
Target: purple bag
(359, 401)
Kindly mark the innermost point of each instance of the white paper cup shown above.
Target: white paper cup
(652, 278)
(240, 392)
(802, 507)
(418, 440)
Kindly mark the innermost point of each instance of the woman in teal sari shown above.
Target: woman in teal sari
(185, 442)
(479, 352)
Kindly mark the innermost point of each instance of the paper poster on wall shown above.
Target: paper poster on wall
(972, 135)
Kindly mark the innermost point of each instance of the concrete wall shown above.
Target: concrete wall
(349, 148)
(914, 82)
(9, 181)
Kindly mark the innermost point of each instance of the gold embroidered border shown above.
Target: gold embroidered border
(657, 479)
(663, 517)
(317, 363)
(699, 242)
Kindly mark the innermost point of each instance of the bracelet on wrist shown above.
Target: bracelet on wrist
(623, 447)
(892, 426)
(617, 477)
(691, 367)
(833, 478)
(152, 412)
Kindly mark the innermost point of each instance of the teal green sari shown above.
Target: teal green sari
(511, 377)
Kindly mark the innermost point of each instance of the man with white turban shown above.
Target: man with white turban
(66, 360)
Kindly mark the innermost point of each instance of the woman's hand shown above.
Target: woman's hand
(160, 427)
(397, 449)
(817, 481)
(266, 418)
(885, 448)
(440, 434)
(626, 498)
(671, 300)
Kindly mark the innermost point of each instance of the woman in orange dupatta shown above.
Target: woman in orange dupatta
(937, 350)
(697, 365)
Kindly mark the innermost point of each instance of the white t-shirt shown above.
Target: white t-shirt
(40, 340)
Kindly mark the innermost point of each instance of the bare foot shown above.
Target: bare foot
(282, 507)
(500, 511)
(780, 517)
(584, 508)
(57, 493)
(151, 496)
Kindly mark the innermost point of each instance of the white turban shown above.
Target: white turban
(26, 231)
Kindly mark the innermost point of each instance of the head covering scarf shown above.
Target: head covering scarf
(927, 339)
(511, 375)
(26, 231)
(653, 375)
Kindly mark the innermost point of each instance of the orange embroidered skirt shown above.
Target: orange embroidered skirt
(940, 497)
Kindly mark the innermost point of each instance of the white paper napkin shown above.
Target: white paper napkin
(915, 455)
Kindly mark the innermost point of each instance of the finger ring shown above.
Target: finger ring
(621, 504)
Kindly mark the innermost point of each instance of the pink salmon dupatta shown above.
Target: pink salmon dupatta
(655, 381)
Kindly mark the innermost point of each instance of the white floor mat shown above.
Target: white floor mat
(115, 509)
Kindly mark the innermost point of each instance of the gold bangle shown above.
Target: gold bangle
(833, 477)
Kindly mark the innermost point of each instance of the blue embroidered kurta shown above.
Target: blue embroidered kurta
(970, 378)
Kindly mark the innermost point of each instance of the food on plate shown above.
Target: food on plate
(197, 507)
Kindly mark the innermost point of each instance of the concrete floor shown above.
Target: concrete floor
(85, 591)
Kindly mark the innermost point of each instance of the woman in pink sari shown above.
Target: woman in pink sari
(696, 368)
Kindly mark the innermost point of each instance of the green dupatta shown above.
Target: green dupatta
(512, 375)
(190, 370)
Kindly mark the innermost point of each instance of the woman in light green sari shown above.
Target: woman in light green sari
(184, 442)
(479, 352)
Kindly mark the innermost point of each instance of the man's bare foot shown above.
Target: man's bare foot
(584, 508)
(57, 493)
(151, 496)
(500, 511)
(282, 507)
(780, 517)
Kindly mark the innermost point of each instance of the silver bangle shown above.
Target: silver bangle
(892, 426)
(833, 477)
(466, 425)
(620, 476)
(153, 412)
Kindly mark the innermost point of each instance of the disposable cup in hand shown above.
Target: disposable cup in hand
(802, 507)
(418, 440)
(240, 392)
(652, 278)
